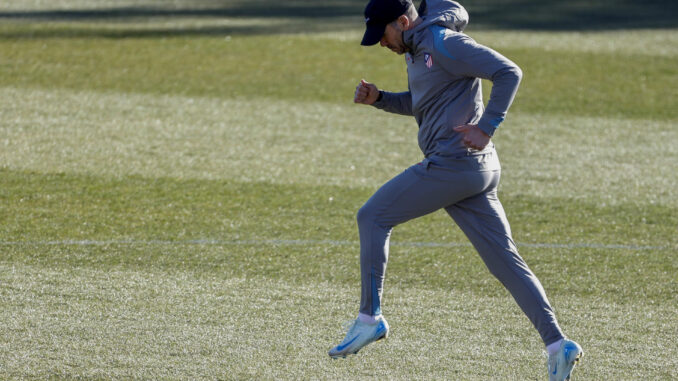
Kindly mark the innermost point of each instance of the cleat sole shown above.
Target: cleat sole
(574, 362)
(576, 359)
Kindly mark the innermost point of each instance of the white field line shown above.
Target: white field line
(310, 242)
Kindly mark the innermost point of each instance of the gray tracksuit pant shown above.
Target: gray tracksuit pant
(467, 188)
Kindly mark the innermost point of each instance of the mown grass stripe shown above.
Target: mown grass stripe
(311, 242)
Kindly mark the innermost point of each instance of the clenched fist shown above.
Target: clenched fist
(366, 93)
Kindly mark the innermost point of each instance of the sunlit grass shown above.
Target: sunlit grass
(313, 143)
(178, 196)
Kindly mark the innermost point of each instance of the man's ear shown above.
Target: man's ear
(404, 22)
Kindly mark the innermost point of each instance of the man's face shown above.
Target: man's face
(393, 39)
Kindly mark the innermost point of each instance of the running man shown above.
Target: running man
(460, 171)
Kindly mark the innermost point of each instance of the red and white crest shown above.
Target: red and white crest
(429, 60)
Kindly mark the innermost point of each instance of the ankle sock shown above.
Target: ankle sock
(554, 347)
(368, 319)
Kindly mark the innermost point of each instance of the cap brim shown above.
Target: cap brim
(373, 34)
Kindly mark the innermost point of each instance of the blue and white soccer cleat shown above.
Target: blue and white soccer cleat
(561, 363)
(359, 335)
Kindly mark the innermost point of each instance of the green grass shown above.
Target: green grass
(112, 323)
(178, 215)
(178, 199)
(581, 83)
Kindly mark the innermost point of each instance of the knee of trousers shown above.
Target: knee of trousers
(366, 215)
(369, 216)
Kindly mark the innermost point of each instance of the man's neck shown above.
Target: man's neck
(415, 23)
(410, 27)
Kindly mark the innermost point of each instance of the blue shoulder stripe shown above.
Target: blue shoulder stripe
(438, 36)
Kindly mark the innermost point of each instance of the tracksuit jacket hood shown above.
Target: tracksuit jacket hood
(446, 13)
(445, 68)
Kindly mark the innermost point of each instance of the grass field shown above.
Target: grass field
(179, 183)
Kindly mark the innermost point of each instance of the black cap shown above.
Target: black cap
(378, 14)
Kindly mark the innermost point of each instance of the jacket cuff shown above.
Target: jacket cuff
(489, 126)
(379, 103)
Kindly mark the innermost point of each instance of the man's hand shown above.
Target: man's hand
(366, 93)
(474, 137)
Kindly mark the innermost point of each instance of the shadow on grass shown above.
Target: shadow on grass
(575, 15)
(304, 16)
(329, 9)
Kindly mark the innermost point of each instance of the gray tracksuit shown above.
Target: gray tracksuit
(444, 69)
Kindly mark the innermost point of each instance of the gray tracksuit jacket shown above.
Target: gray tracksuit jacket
(444, 68)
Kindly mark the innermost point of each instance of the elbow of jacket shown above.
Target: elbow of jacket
(510, 73)
(517, 73)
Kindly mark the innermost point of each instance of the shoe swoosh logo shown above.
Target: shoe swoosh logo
(555, 369)
(342, 347)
